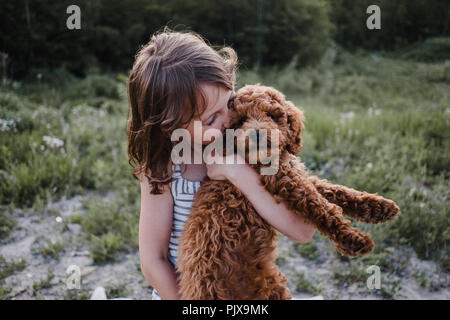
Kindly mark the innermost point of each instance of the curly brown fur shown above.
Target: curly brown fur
(225, 254)
(363, 206)
(227, 251)
(292, 185)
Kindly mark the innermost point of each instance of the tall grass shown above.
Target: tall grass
(373, 123)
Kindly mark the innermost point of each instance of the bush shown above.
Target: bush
(403, 22)
(7, 223)
(92, 88)
(109, 228)
(430, 50)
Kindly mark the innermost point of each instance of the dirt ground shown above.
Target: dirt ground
(123, 278)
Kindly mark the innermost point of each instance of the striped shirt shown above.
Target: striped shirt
(183, 191)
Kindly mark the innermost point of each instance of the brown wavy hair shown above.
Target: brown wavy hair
(164, 94)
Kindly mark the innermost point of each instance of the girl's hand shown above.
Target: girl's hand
(230, 167)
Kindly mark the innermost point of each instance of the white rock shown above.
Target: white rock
(99, 294)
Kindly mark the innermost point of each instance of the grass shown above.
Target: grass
(390, 289)
(352, 273)
(7, 224)
(8, 268)
(33, 167)
(117, 290)
(374, 122)
(423, 281)
(356, 272)
(110, 227)
(51, 249)
(308, 250)
(280, 260)
(304, 285)
(44, 283)
(86, 120)
(75, 294)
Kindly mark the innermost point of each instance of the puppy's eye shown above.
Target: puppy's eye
(272, 116)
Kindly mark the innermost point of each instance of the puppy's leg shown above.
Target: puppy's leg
(292, 185)
(363, 206)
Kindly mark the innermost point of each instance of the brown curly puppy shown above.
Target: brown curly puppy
(227, 251)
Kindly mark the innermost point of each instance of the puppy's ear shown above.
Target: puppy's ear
(295, 120)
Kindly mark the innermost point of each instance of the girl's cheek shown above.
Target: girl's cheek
(213, 128)
(206, 141)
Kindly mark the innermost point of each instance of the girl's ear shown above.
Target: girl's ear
(295, 120)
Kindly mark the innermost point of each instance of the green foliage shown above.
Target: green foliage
(44, 283)
(7, 223)
(105, 248)
(10, 267)
(78, 219)
(112, 31)
(117, 290)
(4, 291)
(32, 167)
(304, 285)
(94, 87)
(51, 249)
(390, 289)
(423, 281)
(373, 122)
(300, 32)
(265, 33)
(431, 50)
(402, 22)
(110, 228)
(280, 261)
(75, 294)
(354, 272)
(308, 250)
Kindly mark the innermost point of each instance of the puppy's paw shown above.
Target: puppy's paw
(355, 244)
(376, 209)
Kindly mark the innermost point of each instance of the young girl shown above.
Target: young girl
(177, 78)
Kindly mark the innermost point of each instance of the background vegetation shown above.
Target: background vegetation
(264, 32)
(377, 105)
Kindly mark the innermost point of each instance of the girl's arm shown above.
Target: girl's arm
(155, 225)
(278, 215)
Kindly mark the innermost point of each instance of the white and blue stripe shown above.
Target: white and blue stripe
(183, 191)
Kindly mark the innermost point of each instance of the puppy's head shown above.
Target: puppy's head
(260, 112)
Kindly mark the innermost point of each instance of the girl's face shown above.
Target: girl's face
(216, 114)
